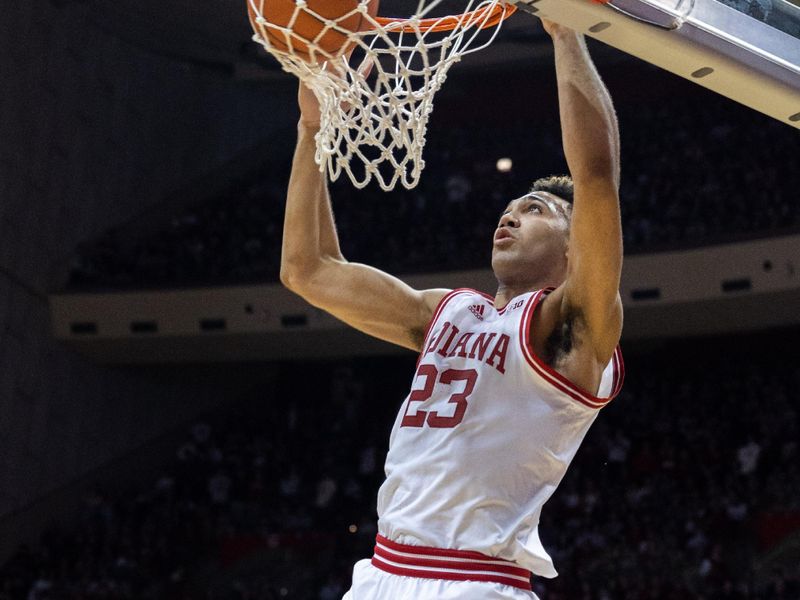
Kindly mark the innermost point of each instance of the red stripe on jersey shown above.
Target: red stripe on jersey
(454, 565)
(410, 572)
(555, 378)
(619, 373)
(451, 563)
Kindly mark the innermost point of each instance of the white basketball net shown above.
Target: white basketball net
(375, 114)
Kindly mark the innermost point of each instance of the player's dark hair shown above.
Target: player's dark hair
(559, 185)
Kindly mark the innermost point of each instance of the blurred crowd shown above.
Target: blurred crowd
(686, 487)
(693, 173)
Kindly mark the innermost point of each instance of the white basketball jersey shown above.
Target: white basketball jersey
(485, 435)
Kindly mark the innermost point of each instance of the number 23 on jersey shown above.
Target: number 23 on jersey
(461, 380)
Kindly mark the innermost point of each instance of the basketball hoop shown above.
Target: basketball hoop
(496, 12)
(375, 111)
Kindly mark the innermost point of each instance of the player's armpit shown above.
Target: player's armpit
(370, 300)
(561, 337)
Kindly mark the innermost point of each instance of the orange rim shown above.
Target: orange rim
(497, 14)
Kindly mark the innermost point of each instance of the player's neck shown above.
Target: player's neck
(529, 278)
(507, 291)
(519, 277)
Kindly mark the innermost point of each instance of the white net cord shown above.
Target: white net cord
(374, 115)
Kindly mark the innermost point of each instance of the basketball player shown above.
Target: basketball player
(506, 387)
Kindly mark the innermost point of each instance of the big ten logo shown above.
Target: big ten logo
(516, 305)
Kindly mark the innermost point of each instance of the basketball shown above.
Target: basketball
(288, 33)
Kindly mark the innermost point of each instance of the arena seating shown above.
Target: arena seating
(693, 174)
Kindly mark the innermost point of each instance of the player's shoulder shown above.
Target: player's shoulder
(432, 298)
(429, 302)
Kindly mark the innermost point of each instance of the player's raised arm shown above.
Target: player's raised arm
(312, 264)
(591, 146)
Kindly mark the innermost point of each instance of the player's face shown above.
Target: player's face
(532, 229)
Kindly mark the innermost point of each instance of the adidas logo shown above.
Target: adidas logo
(477, 310)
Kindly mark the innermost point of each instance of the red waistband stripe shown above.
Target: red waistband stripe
(454, 565)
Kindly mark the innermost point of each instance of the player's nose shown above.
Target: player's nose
(508, 220)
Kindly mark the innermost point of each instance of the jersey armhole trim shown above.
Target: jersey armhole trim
(553, 377)
(437, 313)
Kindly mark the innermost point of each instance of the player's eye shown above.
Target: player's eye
(535, 207)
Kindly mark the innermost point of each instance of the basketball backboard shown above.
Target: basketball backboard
(747, 50)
